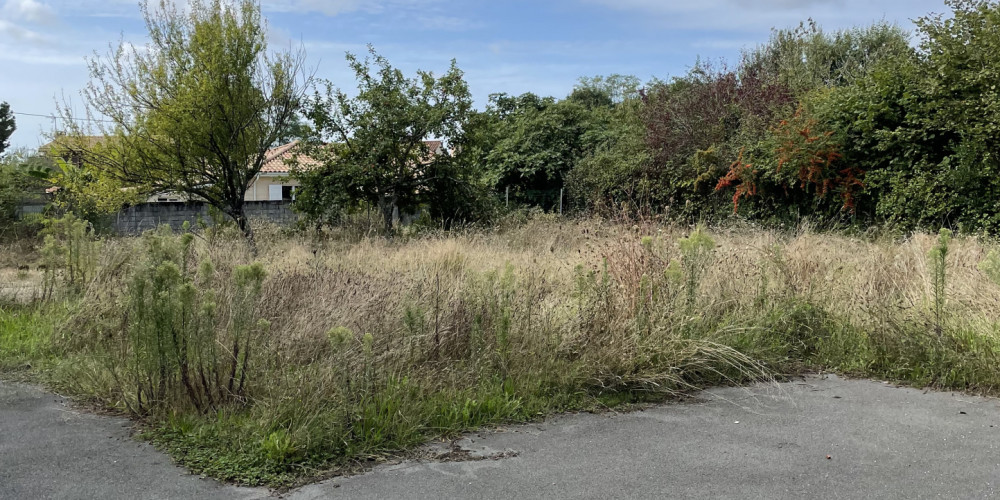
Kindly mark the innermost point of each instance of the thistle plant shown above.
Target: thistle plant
(696, 252)
(938, 257)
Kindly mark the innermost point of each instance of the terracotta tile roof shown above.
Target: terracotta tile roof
(276, 160)
(433, 146)
(71, 142)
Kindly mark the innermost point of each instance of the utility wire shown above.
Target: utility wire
(54, 117)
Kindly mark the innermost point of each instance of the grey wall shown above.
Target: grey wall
(29, 209)
(139, 218)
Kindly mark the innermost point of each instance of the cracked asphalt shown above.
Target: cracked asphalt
(818, 437)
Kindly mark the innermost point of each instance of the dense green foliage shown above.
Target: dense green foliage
(859, 126)
(855, 126)
(196, 111)
(7, 126)
(923, 126)
(373, 151)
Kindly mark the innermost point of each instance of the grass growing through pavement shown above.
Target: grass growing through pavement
(332, 352)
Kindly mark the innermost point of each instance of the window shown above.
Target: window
(279, 192)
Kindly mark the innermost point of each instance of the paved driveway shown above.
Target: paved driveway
(48, 449)
(814, 438)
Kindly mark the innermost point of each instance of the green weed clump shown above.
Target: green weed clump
(26, 334)
(180, 347)
(69, 254)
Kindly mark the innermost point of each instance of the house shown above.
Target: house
(275, 183)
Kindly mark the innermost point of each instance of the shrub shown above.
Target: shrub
(69, 253)
(181, 345)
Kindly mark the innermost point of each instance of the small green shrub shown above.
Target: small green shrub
(278, 446)
(939, 263)
(696, 254)
(69, 254)
(181, 345)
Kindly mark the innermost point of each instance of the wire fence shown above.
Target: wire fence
(549, 200)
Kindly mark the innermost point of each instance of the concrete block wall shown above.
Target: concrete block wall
(143, 217)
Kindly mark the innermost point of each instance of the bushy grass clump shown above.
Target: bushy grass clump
(26, 334)
(323, 353)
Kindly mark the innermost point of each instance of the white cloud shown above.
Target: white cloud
(756, 15)
(30, 11)
(336, 7)
(21, 34)
(327, 7)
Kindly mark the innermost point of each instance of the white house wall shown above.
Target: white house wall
(260, 189)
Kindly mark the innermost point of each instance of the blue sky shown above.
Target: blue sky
(512, 46)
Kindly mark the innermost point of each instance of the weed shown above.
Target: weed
(696, 252)
(939, 263)
(69, 254)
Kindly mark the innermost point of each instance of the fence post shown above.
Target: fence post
(560, 200)
(507, 198)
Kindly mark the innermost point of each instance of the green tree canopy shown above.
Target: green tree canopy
(529, 142)
(196, 110)
(7, 126)
(374, 148)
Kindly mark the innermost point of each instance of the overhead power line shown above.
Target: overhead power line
(54, 117)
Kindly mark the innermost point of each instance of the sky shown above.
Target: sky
(511, 46)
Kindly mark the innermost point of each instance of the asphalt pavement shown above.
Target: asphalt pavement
(50, 449)
(818, 437)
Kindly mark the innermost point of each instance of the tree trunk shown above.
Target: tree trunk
(244, 224)
(388, 207)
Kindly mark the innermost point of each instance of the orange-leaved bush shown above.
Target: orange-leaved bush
(808, 159)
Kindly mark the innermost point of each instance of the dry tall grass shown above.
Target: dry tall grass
(376, 345)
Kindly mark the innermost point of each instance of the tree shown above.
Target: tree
(529, 143)
(377, 155)
(696, 125)
(617, 88)
(83, 189)
(806, 58)
(295, 130)
(923, 124)
(7, 126)
(196, 110)
(614, 175)
(19, 185)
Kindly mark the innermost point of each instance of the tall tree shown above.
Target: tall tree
(7, 126)
(529, 143)
(377, 153)
(618, 88)
(196, 110)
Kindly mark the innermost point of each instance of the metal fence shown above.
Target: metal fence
(549, 200)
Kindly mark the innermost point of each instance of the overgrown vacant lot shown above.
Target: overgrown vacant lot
(336, 351)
